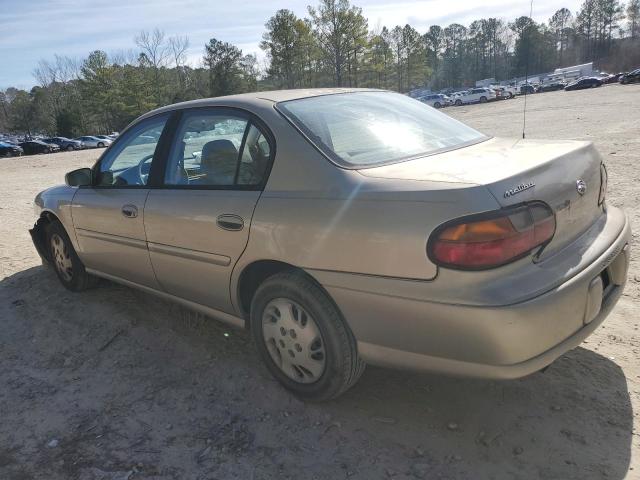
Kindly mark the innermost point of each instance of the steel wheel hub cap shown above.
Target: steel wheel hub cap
(293, 340)
(61, 257)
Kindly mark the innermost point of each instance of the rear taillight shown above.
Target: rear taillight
(604, 177)
(489, 240)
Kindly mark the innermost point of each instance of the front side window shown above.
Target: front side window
(217, 149)
(364, 129)
(128, 162)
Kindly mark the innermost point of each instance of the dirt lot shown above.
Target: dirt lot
(116, 384)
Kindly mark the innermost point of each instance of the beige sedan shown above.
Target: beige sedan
(346, 227)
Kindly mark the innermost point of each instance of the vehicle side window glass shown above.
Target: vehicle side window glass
(206, 150)
(128, 162)
(255, 158)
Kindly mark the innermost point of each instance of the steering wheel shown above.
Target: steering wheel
(144, 168)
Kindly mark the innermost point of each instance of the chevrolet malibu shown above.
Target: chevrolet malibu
(349, 227)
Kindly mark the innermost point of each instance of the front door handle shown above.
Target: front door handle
(228, 221)
(130, 211)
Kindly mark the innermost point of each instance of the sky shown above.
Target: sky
(31, 30)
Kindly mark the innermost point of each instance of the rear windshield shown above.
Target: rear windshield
(364, 129)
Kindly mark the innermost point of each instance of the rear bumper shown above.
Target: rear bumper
(502, 342)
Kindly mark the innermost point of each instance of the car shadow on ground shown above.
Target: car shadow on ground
(180, 395)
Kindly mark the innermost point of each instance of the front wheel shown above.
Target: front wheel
(65, 260)
(458, 102)
(70, 148)
(483, 99)
(303, 339)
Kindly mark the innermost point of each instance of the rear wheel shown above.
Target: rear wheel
(437, 105)
(483, 99)
(65, 261)
(302, 338)
(100, 144)
(458, 102)
(69, 148)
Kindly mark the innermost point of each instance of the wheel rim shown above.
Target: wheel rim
(293, 340)
(61, 257)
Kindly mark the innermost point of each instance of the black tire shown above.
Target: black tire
(100, 144)
(70, 148)
(458, 102)
(342, 367)
(79, 279)
(483, 99)
(437, 105)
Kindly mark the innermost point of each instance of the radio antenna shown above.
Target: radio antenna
(526, 72)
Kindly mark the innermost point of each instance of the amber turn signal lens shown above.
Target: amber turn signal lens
(492, 239)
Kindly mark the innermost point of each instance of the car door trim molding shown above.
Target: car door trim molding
(189, 254)
(107, 237)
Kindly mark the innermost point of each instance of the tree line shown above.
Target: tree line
(332, 46)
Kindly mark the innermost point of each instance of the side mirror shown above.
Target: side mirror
(79, 178)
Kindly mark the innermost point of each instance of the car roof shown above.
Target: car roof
(256, 98)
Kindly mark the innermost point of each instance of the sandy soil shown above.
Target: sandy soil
(116, 384)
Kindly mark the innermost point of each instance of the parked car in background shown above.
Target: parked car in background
(436, 100)
(94, 142)
(455, 96)
(65, 143)
(527, 89)
(480, 95)
(105, 137)
(10, 150)
(505, 92)
(631, 77)
(612, 78)
(32, 147)
(551, 87)
(584, 82)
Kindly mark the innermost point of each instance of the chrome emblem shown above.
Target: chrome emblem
(519, 188)
(581, 187)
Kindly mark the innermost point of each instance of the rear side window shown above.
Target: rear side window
(217, 149)
(364, 129)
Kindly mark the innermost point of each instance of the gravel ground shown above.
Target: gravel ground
(116, 384)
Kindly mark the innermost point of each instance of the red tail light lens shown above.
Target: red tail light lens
(493, 239)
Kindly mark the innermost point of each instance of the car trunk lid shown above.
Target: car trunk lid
(517, 171)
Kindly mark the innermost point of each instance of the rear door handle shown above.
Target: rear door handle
(130, 211)
(228, 221)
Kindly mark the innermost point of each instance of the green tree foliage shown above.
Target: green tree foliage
(229, 71)
(289, 46)
(341, 31)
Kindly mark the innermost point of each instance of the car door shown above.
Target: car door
(197, 223)
(108, 216)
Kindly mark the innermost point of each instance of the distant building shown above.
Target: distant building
(566, 74)
(571, 73)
